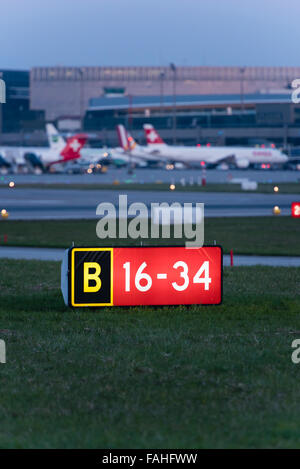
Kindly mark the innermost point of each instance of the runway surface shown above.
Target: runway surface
(25, 204)
(153, 175)
(46, 254)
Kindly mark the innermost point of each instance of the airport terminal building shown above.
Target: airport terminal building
(66, 91)
(16, 115)
(224, 105)
(217, 119)
(189, 105)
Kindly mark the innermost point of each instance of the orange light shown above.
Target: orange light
(4, 213)
(11, 184)
(172, 187)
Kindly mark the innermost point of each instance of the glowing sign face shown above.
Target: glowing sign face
(295, 209)
(144, 276)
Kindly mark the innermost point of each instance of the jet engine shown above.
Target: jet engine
(34, 162)
(4, 165)
(242, 163)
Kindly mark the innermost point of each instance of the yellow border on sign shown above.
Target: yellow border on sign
(73, 277)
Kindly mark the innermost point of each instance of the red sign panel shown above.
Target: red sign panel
(295, 209)
(145, 276)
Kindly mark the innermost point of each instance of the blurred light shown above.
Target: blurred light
(11, 184)
(172, 187)
(89, 171)
(198, 144)
(202, 163)
(169, 167)
(208, 144)
(276, 210)
(105, 154)
(276, 189)
(273, 145)
(263, 145)
(4, 213)
(98, 166)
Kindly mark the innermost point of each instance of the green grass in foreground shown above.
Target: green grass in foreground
(180, 377)
(266, 188)
(249, 235)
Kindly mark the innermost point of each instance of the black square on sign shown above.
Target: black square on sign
(91, 277)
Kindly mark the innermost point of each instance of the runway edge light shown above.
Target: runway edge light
(137, 276)
(276, 210)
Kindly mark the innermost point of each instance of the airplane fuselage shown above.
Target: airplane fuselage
(15, 155)
(212, 155)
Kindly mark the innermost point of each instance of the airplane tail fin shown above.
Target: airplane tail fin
(123, 137)
(56, 141)
(131, 142)
(152, 137)
(71, 151)
(73, 147)
(126, 141)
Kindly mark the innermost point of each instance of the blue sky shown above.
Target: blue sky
(149, 32)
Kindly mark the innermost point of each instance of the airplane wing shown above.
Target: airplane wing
(230, 159)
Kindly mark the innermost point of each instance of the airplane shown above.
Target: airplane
(119, 156)
(136, 154)
(88, 156)
(240, 157)
(57, 142)
(41, 159)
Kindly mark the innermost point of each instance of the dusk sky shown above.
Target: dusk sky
(149, 32)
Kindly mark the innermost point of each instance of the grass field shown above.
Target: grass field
(265, 188)
(251, 235)
(178, 377)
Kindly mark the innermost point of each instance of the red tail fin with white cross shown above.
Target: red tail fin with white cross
(72, 149)
(152, 137)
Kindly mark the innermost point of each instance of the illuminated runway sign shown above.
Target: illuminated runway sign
(95, 277)
(295, 208)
